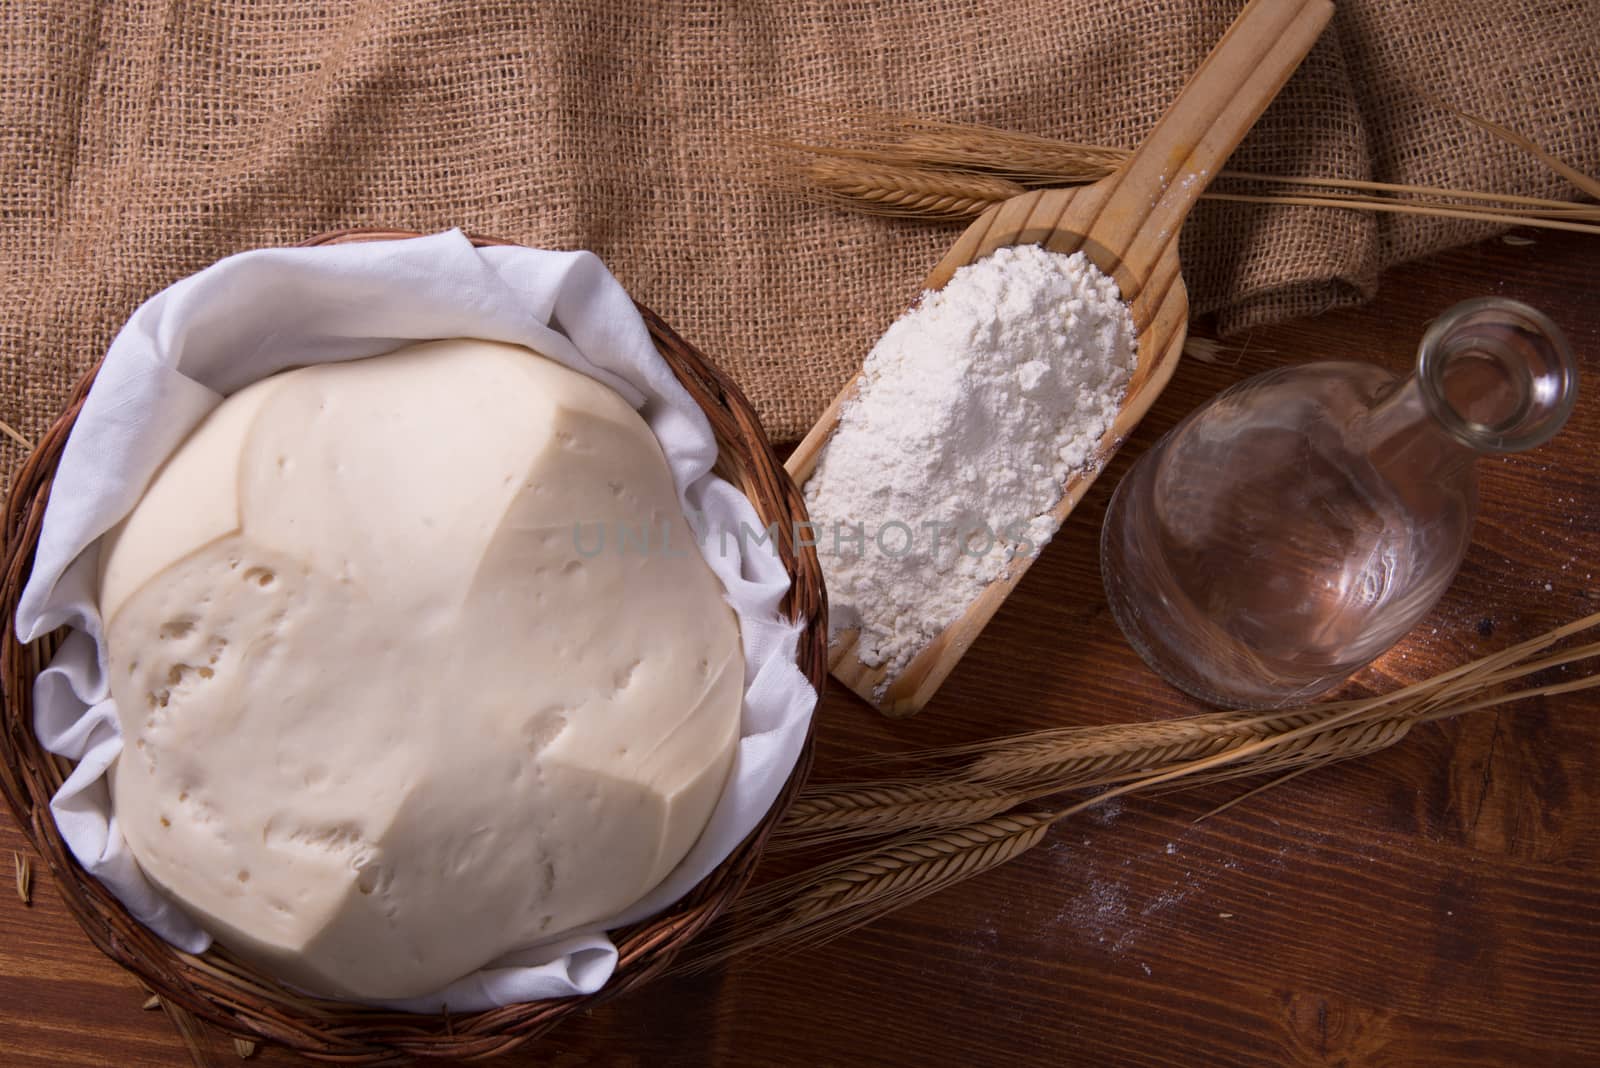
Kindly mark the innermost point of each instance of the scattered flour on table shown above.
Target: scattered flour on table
(974, 409)
(1106, 812)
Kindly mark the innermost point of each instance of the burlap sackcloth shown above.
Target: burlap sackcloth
(140, 141)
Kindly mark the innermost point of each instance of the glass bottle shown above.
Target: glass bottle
(1296, 526)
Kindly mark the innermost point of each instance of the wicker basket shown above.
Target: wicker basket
(226, 993)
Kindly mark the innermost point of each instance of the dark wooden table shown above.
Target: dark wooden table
(1438, 904)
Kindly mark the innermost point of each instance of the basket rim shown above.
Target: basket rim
(229, 995)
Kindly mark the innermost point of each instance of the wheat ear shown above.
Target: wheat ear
(822, 903)
(907, 190)
(855, 810)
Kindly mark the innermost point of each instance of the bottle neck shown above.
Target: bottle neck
(1404, 439)
(1496, 375)
(1493, 376)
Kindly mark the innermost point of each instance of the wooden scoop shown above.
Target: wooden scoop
(1127, 223)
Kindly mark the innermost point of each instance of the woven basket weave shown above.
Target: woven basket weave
(224, 992)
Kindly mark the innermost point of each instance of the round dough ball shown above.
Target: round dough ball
(395, 697)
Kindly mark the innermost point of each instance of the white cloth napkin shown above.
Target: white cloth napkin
(258, 313)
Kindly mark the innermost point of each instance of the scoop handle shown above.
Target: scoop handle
(1199, 131)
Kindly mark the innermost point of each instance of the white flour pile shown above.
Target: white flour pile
(975, 408)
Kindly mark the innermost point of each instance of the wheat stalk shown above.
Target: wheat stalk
(1508, 217)
(9, 431)
(1583, 181)
(1091, 756)
(838, 895)
(1000, 774)
(1073, 754)
(876, 188)
(24, 869)
(912, 166)
(908, 139)
(1020, 158)
(1015, 771)
(190, 1030)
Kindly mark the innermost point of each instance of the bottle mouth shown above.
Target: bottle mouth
(1497, 374)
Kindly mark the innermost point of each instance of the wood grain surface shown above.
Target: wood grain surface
(1438, 904)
